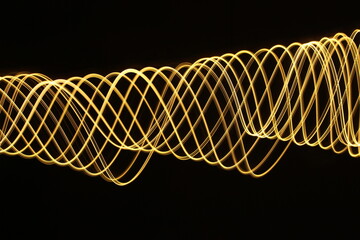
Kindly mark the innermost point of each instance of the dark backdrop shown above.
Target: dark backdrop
(309, 191)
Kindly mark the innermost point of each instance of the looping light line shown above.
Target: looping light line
(239, 111)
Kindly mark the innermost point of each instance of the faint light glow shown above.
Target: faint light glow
(239, 111)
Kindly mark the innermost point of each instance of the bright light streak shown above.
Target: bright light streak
(239, 111)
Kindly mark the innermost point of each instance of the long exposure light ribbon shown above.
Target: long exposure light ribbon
(239, 111)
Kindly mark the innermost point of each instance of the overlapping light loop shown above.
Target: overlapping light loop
(238, 111)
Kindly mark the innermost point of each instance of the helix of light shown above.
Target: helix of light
(236, 111)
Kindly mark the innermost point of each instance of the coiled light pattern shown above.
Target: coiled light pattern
(239, 111)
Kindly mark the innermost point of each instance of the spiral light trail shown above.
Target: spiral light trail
(239, 111)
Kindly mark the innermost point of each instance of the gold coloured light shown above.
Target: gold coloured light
(238, 111)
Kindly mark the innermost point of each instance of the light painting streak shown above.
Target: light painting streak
(238, 111)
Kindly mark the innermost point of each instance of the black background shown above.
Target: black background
(310, 191)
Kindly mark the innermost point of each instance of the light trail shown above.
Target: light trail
(239, 111)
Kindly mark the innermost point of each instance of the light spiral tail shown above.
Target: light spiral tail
(239, 111)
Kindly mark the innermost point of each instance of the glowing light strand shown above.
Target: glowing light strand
(220, 110)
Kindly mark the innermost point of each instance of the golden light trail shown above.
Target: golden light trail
(239, 111)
